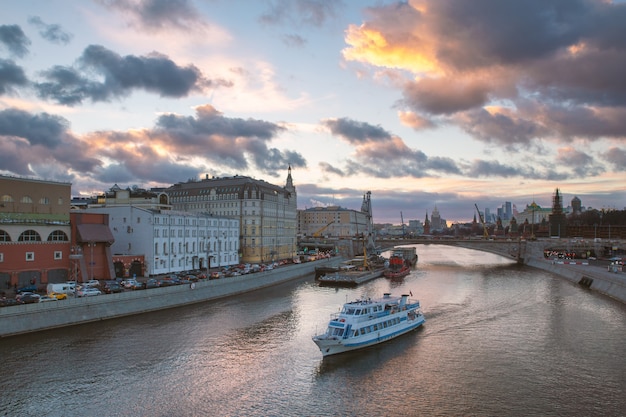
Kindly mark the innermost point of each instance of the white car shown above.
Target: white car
(131, 283)
(92, 283)
(46, 298)
(88, 292)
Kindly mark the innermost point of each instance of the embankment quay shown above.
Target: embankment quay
(29, 318)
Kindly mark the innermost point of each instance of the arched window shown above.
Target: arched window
(26, 199)
(58, 236)
(7, 199)
(4, 236)
(44, 201)
(29, 236)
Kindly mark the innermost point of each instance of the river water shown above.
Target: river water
(499, 340)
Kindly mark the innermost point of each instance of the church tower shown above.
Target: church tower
(426, 225)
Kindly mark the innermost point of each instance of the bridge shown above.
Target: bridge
(521, 250)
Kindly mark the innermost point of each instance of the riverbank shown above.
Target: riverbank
(29, 318)
(596, 278)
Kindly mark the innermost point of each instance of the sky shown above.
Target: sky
(425, 103)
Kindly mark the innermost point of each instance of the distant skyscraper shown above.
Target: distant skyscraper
(435, 220)
(508, 211)
(576, 205)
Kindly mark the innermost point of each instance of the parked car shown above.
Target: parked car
(111, 287)
(166, 282)
(92, 283)
(151, 283)
(27, 288)
(27, 298)
(215, 275)
(46, 298)
(58, 295)
(132, 284)
(88, 292)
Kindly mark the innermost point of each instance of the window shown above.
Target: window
(1, 257)
(7, 199)
(30, 256)
(26, 199)
(57, 236)
(4, 236)
(44, 201)
(58, 254)
(29, 236)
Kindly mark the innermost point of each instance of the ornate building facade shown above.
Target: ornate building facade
(267, 213)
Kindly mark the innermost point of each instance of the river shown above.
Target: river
(499, 340)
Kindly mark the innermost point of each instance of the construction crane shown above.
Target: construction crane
(402, 220)
(482, 221)
(318, 232)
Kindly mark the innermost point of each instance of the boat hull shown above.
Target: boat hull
(334, 346)
(397, 274)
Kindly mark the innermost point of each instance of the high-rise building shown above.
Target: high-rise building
(576, 205)
(508, 211)
(267, 213)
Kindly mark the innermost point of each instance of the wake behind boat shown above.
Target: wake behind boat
(367, 322)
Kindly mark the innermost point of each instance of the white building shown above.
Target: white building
(172, 241)
(266, 213)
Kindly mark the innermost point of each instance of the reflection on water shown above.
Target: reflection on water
(499, 339)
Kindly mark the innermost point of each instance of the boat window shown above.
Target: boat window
(358, 312)
(350, 311)
(338, 332)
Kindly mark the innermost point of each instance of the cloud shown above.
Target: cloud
(157, 15)
(579, 162)
(11, 75)
(225, 141)
(382, 155)
(14, 39)
(37, 129)
(328, 168)
(414, 120)
(617, 157)
(356, 132)
(32, 143)
(553, 68)
(120, 76)
(301, 12)
(53, 33)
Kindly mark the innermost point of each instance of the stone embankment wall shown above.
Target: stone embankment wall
(35, 317)
(595, 278)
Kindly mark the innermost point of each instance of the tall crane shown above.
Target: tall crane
(402, 220)
(482, 221)
(318, 232)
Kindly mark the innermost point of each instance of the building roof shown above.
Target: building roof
(94, 233)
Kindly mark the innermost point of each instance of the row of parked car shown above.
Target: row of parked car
(94, 287)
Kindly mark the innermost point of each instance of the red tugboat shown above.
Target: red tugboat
(399, 267)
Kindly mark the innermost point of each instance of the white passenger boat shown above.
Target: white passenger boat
(367, 322)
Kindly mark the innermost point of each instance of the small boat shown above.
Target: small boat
(399, 265)
(408, 253)
(367, 322)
